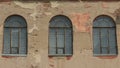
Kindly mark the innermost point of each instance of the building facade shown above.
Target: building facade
(60, 34)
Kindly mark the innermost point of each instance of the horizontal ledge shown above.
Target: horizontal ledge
(59, 55)
(15, 55)
(104, 55)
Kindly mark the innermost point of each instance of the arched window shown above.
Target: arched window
(15, 36)
(60, 36)
(104, 36)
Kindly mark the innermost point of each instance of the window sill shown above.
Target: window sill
(15, 55)
(106, 56)
(60, 55)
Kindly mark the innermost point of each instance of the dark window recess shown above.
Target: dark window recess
(15, 36)
(60, 36)
(104, 36)
(101, 0)
(44, 0)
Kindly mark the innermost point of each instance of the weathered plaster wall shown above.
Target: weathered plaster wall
(38, 15)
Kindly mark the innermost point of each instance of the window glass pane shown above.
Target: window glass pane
(68, 31)
(68, 45)
(60, 38)
(60, 30)
(112, 41)
(52, 50)
(14, 50)
(15, 21)
(23, 41)
(52, 38)
(14, 37)
(112, 37)
(107, 38)
(113, 51)
(96, 42)
(60, 51)
(6, 49)
(60, 24)
(60, 21)
(60, 41)
(52, 41)
(52, 31)
(104, 21)
(68, 41)
(104, 37)
(104, 50)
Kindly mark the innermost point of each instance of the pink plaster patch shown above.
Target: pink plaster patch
(104, 5)
(80, 21)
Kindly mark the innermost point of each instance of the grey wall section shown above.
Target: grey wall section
(38, 15)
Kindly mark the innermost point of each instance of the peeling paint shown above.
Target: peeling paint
(34, 15)
(32, 29)
(37, 58)
(30, 5)
(54, 4)
(117, 12)
(48, 13)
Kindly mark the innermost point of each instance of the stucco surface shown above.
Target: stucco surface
(38, 15)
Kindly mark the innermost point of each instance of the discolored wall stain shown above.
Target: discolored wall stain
(80, 21)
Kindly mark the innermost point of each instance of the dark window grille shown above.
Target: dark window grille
(60, 36)
(15, 36)
(104, 36)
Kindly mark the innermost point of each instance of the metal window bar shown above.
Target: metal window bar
(100, 40)
(108, 41)
(63, 48)
(13, 41)
(19, 29)
(108, 48)
(56, 33)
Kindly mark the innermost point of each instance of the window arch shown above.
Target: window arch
(15, 36)
(104, 36)
(60, 36)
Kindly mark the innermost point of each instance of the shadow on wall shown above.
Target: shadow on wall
(58, 0)
(100, 0)
(46, 0)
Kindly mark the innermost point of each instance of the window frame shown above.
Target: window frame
(19, 29)
(63, 28)
(108, 39)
